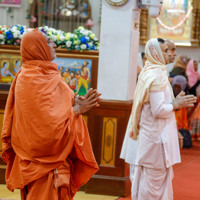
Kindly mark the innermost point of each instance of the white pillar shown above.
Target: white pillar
(119, 43)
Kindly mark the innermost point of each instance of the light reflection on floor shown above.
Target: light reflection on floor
(5, 194)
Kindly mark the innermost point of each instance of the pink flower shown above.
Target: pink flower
(34, 19)
(89, 23)
(29, 29)
(18, 41)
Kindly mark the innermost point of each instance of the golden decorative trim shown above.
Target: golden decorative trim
(109, 141)
(1, 125)
(144, 26)
(59, 52)
(15, 51)
(85, 56)
(195, 34)
(119, 3)
(85, 117)
(2, 166)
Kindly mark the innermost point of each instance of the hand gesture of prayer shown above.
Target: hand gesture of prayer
(82, 104)
(182, 101)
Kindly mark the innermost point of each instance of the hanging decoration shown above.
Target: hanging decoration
(89, 24)
(74, 8)
(31, 18)
(43, 11)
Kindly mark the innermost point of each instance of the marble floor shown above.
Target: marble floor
(7, 195)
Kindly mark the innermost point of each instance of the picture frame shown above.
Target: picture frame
(183, 28)
(86, 63)
(69, 63)
(8, 3)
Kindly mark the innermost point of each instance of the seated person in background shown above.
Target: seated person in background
(179, 84)
(193, 76)
(179, 67)
(194, 121)
(138, 70)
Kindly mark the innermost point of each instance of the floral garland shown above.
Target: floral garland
(81, 39)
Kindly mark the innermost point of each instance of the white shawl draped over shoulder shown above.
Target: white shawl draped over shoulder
(153, 78)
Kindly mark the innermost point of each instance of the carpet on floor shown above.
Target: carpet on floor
(186, 182)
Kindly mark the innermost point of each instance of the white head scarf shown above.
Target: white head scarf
(153, 78)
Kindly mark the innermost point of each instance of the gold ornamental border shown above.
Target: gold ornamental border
(116, 3)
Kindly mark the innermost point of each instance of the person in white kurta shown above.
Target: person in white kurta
(156, 148)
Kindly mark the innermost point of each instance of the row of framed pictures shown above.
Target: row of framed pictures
(78, 69)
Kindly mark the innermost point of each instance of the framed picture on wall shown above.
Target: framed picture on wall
(9, 66)
(10, 3)
(174, 22)
(78, 69)
(178, 21)
(76, 73)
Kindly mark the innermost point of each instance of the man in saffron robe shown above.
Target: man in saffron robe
(45, 141)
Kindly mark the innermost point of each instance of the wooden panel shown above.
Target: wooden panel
(109, 185)
(108, 141)
(110, 179)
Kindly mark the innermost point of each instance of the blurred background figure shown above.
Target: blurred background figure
(180, 84)
(180, 66)
(193, 76)
(144, 58)
(141, 62)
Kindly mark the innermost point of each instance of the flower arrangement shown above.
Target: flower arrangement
(11, 35)
(81, 39)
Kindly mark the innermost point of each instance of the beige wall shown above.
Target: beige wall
(95, 5)
(19, 15)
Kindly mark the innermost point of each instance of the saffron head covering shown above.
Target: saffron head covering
(153, 78)
(192, 74)
(34, 47)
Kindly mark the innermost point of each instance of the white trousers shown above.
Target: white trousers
(151, 184)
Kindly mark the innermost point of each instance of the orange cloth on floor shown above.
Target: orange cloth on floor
(40, 131)
(181, 118)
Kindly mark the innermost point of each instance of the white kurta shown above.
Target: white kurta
(157, 128)
(155, 151)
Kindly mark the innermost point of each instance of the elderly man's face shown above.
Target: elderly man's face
(172, 49)
(166, 52)
(51, 46)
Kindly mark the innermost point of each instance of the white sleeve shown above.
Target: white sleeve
(159, 108)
